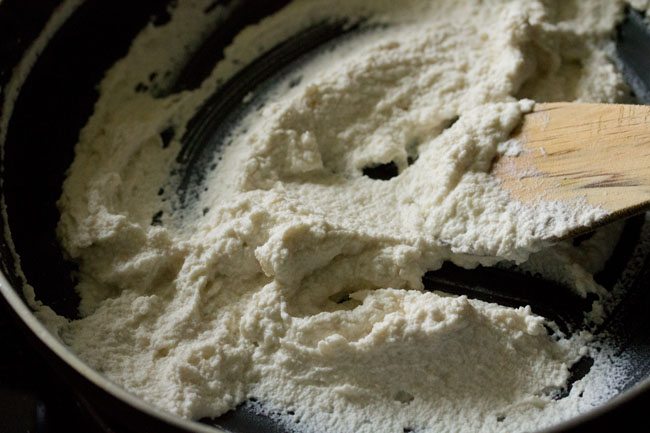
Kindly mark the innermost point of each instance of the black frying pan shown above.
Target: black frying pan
(56, 101)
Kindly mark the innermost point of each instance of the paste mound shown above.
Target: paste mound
(295, 275)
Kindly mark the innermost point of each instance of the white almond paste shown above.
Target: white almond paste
(214, 307)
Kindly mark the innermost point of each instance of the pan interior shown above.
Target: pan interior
(58, 97)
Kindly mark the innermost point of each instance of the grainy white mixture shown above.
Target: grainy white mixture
(234, 297)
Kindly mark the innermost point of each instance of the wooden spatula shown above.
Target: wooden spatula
(597, 151)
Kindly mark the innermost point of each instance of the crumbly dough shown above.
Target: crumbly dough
(293, 278)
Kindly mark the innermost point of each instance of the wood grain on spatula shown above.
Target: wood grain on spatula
(570, 151)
